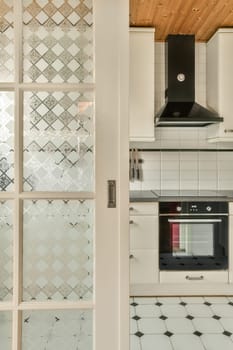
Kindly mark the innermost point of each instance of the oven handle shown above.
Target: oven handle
(196, 221)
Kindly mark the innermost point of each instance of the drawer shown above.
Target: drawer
(201, 277)
(144, 266)
(143, 232)
(143, 209)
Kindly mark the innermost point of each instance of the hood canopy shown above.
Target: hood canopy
(180, 108)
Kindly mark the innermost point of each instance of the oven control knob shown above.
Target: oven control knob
(208, 208)
(178, 208)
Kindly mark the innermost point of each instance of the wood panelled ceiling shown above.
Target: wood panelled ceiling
(199, 17)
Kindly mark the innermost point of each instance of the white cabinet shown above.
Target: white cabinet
(219, 83)
(141, 84)
(144, 243)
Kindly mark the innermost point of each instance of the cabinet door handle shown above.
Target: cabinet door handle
(198, 278)
(131, 208)
(131, 256)
(131, 222)
(228, 130)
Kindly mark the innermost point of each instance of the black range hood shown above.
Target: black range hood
(180, 108)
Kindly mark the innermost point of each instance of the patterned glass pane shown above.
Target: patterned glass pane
(5, 330)
(58, 44)
(6, 250)
(58, 250)
(6, 41)
(57, 330)
(58, 141)
(6, 141)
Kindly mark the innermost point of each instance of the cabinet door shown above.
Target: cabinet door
(143, 231)
(143, 266)
(141, 84)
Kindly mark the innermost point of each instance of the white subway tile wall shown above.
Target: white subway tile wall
(180, 170)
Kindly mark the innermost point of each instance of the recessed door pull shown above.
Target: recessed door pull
(198, 278)
(111, 193)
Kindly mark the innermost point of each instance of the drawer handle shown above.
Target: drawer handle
(131, 208)
(198, 278)
(131, 256)
(228, 131)
(131, 222)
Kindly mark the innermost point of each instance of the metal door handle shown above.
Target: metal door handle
(131, 222)
(131, 256)
(111, 193)
(194, 221)
(198, 278)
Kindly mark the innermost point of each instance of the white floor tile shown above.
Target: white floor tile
(153, 342)
(179, 325)
(199, 310)
(171, 310)
(151, 326)
(217, 342)
(133, 326)
(148, 311)
(207, 325)
(148, 300)
(223, 310)
(227, 323)
(169, 300)
(135, 343)
(132, 311)
(186, 342)
(216, 300)
(193, 300)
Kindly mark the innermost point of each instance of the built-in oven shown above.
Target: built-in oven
(193, 235)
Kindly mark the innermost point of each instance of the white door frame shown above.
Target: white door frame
(112, 270)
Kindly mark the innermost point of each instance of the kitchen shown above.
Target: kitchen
(181, 185)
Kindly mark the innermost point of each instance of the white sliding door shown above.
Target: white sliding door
(63, 136)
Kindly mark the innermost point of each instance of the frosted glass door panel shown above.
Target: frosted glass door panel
(6, 141)
(6, 41)
(6, 250)
(57, 330)
(58, 41)
(58, 141)
(58, 250)
(5, 330)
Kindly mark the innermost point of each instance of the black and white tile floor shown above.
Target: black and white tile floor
(181, 323)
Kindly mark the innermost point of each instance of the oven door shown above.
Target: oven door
(193, 242)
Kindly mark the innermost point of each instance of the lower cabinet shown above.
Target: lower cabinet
(144, 243)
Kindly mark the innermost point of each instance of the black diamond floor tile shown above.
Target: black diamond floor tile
(183, 303)
(197, 333)
(207, 303)
(134, 304)
(136, 318)
(139, 334)
(168, 334)
(216, 317)
(189, 317)
(163, 317)
(158, 304)
(228, 334)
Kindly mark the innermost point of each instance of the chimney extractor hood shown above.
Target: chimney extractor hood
(180, 108)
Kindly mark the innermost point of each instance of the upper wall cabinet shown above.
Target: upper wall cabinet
(141, 100)
(219, 83)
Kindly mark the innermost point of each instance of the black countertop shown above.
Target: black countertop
(180, 195)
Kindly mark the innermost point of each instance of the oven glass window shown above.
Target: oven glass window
(192, 239)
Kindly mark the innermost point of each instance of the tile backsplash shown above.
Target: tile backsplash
(193, 168)
(190, 170)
